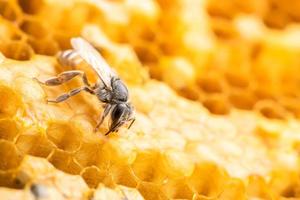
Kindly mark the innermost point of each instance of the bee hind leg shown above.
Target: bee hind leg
(65, 96)
(64, 77)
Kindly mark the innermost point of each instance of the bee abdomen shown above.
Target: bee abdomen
(69, 58)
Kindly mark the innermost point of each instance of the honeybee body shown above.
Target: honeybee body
(118, 93)
(110, 89)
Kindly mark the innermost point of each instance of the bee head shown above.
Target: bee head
(120, 114)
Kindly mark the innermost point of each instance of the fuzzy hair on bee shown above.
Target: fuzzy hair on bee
(109, 89)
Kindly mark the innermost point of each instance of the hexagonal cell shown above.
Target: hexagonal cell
(239, 80)
(224, 9)
(38, 175)
(9, 11)
(8, 129)
(234, 189)
(258, 188)
(271, 109)
(177, 72)
(47, 47)
(276, 19)
(262, 92)
(217, 104)
(208, 179)
(151, 191)
(176, 164)
(10, 101)
(144, 169)
(119, 151)
(31, 6)
(34, 28)
(211, 83)
(291, 104)
(291, 191)
(10, 158)
(147, 54)
(285, 182)
(34, 142)
(191, 92)
(17, 50)
(90, 153)
(123, 175)
(93, 176)
(177, 189)
(64, 136)
(65, 162)
(223, 28)
(242, 99)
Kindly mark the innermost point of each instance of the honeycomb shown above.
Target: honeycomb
(215, 86)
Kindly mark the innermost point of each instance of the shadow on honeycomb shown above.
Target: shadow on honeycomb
(215, 86)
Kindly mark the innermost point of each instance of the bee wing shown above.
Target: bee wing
(90, 55)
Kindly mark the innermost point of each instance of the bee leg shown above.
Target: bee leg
(68, 95)
(64, 77)
(109, 131)
(103, 115)
(115, 128)
(132, 121)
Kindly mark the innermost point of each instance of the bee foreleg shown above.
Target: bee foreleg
(106, 110)
(64, 77)
(67, 95)
(114, 128)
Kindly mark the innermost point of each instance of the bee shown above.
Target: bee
(109, 89)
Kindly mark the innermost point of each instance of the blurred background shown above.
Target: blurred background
(233, 135)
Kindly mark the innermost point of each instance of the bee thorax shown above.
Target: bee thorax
(119, 90)
(103, 95)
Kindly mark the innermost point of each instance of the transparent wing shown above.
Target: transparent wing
(94, 59)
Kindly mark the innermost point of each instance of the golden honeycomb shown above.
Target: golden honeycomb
(215, 86)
